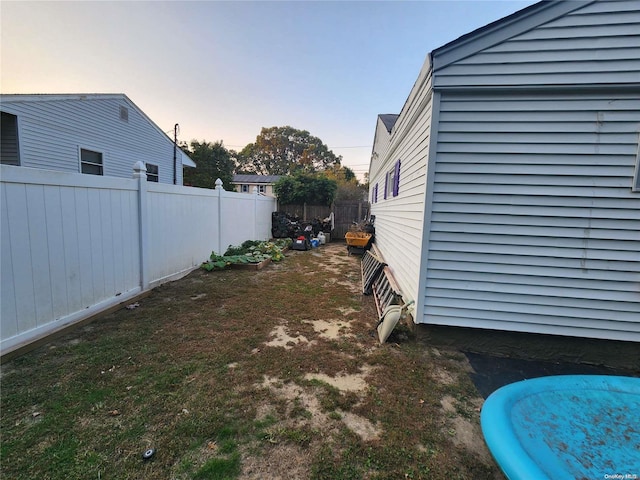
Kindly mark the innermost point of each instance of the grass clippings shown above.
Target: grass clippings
(244, 375)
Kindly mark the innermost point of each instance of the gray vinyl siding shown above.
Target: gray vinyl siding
(53, 130)
(597, 44)
(534, 226)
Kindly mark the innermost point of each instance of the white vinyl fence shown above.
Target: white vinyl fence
(74, 245)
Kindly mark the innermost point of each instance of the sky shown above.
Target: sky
(224, 70)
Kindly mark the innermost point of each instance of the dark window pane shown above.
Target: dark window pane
(91, 169)
(91, 162)
(9, 151)
(152, 173)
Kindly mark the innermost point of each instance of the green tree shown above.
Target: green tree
(212, 161)
(313, 189)
(349, 189)
(351, 192)
(285, 151)
(341, 174)
(349, 175)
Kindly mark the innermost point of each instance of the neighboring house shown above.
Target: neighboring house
(264, 183)
(93, 134)
(507, 192)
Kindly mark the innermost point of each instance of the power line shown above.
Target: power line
(330, 148)
(352, 146)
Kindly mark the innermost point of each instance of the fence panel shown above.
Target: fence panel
(238, 218)
(183, 229)
(265, 206)
(306, 212)
(74, 245)
(66, 239)
(346, 213)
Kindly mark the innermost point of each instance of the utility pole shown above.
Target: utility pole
(176, 128)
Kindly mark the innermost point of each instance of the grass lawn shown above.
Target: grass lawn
(240, 374)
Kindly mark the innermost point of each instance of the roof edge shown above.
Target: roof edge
(48, 97)
(502, 29)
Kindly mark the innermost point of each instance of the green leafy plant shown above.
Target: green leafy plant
(283, 243)
(242, 249)
(251, 251)
(215, 262)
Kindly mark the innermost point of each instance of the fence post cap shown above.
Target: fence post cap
(255, 190)
(219, 184)
(139, 169)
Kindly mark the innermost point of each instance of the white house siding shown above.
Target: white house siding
(381, 142)
(399, 220)
(267, 188)
(597, 43)
(534, 226)
(51, 131)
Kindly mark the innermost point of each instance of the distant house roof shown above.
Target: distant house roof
(268, 179)
(389, 120)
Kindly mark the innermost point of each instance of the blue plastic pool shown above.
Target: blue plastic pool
(565, 427)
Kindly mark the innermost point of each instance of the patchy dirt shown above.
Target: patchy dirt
(293, 393)
(344, 382)
(281, 338)
(362, 427)
(332, 329)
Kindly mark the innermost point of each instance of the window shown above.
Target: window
(261, 188)
(386, 185)
(9, 151)
(91, 162)
(392, 182)
(389, 182)
(395, 179)
(124, 114)
(244, 188)
(152, 172)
